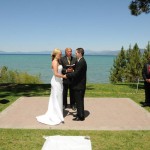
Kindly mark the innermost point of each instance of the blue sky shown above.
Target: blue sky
(98, 25)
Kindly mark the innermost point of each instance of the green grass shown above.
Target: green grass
(10, 92)
(21, 139)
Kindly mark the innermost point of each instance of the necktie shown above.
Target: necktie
(69, 60)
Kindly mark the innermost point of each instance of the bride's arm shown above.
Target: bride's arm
(55, 68)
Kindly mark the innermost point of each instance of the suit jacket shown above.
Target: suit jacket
(79, 75)
(64, 62)
(146, 71)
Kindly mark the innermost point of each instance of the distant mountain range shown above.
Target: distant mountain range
(106, 52)
(87, 52)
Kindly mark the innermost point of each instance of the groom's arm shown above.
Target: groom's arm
(78, 69)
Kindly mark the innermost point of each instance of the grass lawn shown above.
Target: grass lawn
(18, 139)
(21, 139)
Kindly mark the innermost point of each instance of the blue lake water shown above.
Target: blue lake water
(98, 67)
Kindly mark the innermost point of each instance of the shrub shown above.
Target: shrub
(10, 76)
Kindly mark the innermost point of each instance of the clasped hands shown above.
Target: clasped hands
(69, 70)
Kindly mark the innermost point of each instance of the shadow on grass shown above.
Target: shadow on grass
(24, 89)
(133, 85)
(4, 101)
(90, 87)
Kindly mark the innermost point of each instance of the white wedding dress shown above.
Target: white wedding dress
(54, 114)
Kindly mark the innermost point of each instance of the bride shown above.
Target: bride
(54, 114)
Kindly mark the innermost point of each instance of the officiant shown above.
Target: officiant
(68, 62)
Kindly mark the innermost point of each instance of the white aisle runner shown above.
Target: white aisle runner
(67, 143)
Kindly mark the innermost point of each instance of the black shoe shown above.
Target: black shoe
(74, 115)
(78, 119)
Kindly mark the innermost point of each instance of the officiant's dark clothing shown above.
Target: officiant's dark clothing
(67, 83)
(146, 75)
(79, 85)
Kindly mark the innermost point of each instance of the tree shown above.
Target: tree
(146, 54)
(139, 6)
(117, 71)
(134, 65)
(127, 66)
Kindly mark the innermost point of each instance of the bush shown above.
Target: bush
(10, 76)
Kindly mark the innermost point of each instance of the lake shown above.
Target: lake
(98, 67)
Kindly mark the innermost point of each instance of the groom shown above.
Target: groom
(79, 83)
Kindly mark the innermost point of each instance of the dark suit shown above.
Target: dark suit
(67, 82)
(79, 85)
(146, 75)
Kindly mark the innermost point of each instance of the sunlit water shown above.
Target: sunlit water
(98, 67)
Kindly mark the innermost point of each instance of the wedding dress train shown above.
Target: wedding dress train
(54, 114)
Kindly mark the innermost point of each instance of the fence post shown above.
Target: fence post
(137, 85)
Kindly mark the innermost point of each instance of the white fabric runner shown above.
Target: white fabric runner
(67, 143)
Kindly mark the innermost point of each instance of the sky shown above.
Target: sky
(96, 25)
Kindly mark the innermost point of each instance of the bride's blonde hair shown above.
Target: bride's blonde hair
(55, 52)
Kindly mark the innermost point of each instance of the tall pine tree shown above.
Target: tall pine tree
(117, 72)
(146, 54)
(134, 65)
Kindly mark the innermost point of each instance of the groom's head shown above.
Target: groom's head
(79, 52)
